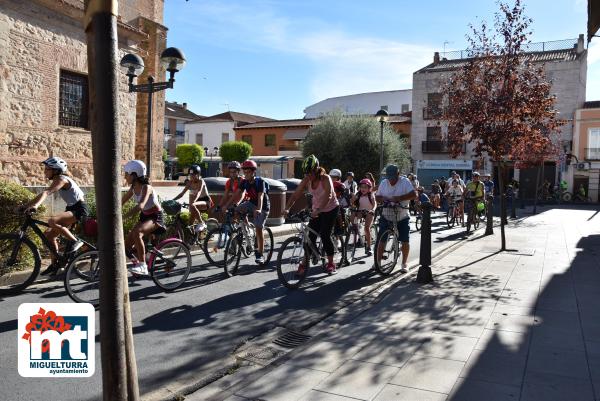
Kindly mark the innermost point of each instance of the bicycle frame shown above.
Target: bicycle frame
(32, 223)
(303, 232)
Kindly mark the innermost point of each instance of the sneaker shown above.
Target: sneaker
(73, 246)
(301, 270)
(331, 268)
(51, 270)
(140, 268)
(199, 227)
(404, 268)
(259, 259)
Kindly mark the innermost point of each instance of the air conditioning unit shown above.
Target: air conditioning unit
(581, 166)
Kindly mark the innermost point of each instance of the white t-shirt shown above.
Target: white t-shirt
(351, 186)
(460, 182)
(402, 187)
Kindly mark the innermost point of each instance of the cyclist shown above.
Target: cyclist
(436, 190)
(148, 207)
(455, 195)
(474, 192)
(372, 178)
(55, 170)
(350, 183)
(488, 184)
(199, 199)
(325, 207)
(257, 203)
(396, 189)
(343, 197)
(364, 201)
(232, 184)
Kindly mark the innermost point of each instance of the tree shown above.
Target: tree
(188, 154)
(499, 101)
(235, 151)
(351, 143)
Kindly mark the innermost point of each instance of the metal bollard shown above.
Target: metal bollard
(489, 225)
(424, 276)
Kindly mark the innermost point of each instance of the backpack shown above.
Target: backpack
(257, 184)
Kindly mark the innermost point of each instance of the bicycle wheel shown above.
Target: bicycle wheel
(175, 230)
(268, 245)
(82, 278)
(450, 217)
(290, 256)
(566, 197)
(232, 254)
(418, 223)
(19, 263)
(170, 264)
(386, 252)
(476, 219)
(352, 241)
(214, 245)
(469, 220)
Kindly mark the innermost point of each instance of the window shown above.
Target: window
(434, 134)
(270, 140)
(73, 100)
(199, 138)
(247, 139)
(404, 108)
(593, 151)
(434, 100)
(225, 137)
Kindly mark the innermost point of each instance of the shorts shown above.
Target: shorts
(80, 210)
(157, 218)
(248, 207)
(206, 199)
(403, 228)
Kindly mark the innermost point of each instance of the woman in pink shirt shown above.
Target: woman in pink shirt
(325, 207)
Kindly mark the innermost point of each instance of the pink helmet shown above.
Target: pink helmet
(366, 181)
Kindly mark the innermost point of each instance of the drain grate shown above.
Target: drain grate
(291, 339)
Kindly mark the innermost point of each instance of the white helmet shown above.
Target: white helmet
(135, 166)
(56, 163)
(335, 173)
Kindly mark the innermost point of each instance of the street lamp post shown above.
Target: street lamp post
(173, 60)
(382, 116)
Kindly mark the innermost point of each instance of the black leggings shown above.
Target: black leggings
(323, 224)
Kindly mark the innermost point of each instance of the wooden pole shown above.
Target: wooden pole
(119, 371)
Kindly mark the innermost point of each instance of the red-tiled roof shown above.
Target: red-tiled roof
(177, 110)
(235, 117)
(302, 122)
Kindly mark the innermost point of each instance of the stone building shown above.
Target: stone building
(565, 63)
(44, 88)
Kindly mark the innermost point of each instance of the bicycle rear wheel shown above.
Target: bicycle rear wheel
(450, 218)
(352, 240)
(82, 278)
(170, 264)
(290, 256)
(386, 252)
(268, 245)
(232, 254)
(19, 263)
(214, 245)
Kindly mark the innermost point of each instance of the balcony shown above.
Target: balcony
(432, 112)
(439, 147)
(592, 154)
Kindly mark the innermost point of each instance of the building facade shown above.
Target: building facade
(176, 116)
(586, 149)
(44, 90)
(394, 102)
(565, 63)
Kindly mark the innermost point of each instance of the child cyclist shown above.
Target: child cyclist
(55, 170)
(148, 207)
(199, 199)
(364, 201)
(232, 183)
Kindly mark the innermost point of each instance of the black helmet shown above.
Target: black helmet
(194, 169)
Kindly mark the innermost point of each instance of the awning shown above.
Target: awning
(295, 134)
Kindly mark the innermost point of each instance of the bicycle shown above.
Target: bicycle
(388, 240)
(20, 259)
(356, 238)
(298, 249)
(473, 217)
(178, 228)
(217, 237)
(454, 214)
(169, 264)
(243, 241)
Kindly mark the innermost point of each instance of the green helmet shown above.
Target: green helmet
(310, 164)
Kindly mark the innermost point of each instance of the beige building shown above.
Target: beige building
(586, 149)
(44, 88)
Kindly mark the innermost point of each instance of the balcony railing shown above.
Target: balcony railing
(440, 147)
(432, 113)
(592, 154)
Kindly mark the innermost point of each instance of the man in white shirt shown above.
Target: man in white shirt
(350, 184)
(455, 176)
(398, 190)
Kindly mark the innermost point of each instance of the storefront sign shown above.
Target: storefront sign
(445, 164)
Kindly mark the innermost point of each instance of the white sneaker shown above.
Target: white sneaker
(200, 227)
(140, 268)
(404, 268)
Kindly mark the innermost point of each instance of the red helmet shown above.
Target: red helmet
(249, 164)
(366, 181)
(338, 187)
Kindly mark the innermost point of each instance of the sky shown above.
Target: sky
(276, 57)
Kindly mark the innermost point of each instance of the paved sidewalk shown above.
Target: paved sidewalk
(521, 325)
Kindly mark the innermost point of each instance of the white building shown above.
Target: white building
(176, 115)
(394, 102)
(211, 132)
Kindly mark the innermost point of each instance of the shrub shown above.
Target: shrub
(188, 154)
(235, 150)
(90, 199)
(11, 196)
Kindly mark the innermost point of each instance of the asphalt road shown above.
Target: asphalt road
(184, 335)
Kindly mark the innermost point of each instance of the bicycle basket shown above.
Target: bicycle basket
(392, 213)
(171, 207)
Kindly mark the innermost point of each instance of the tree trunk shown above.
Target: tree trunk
(119, 372)
(537, 185)
(501, 185)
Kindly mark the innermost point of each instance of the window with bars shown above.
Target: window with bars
(270, 140)
(224, 137)
(247, 139)
(73, 100)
